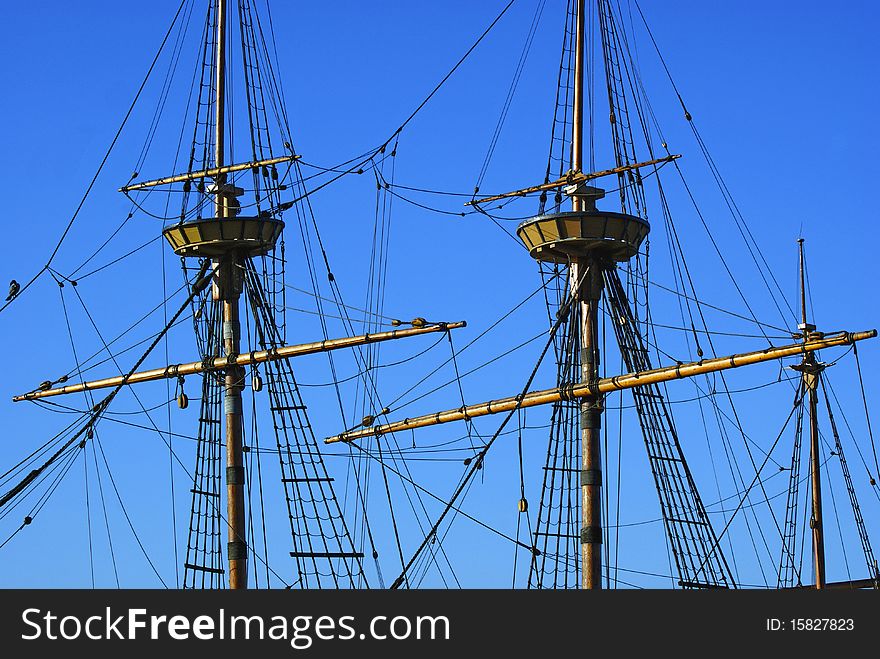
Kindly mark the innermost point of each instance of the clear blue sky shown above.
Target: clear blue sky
(783, 93)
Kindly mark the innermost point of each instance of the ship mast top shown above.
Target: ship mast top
(811, 372)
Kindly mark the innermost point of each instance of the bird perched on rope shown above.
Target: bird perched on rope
(14, 288)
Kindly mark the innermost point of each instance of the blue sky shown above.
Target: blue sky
(783, 93)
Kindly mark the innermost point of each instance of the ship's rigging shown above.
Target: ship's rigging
(229, 221)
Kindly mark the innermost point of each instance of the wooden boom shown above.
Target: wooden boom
(207, 173)
(572, 178)
(605, 385)
(253, 357)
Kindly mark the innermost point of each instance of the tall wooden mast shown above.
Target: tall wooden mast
(228, 290)
(589, 291)
(812, 371)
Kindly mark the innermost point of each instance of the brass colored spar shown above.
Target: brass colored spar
(605, 385)
(244, 359)
(572, 178)
(208, 173)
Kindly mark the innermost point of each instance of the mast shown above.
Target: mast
(577, 115)
(812, 371)
(589, 291)
(228, 290)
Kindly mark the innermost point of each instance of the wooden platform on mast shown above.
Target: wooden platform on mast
(217, 236)
(568, 236)
(563, 237)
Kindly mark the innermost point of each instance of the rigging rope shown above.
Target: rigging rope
(477, 464)
(867, 414)
(103, 160)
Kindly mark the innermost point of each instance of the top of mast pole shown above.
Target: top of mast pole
(577, 128)
(219, 109)
(805, 327)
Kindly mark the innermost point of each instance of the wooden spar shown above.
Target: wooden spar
(605, 385)
(208, 173)
(573, 178)
(245, 359)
